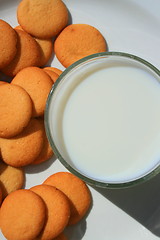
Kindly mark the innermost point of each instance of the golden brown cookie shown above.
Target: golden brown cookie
(58, 209)
(15, 110)
(11, 179)
(22, 215)
(42, 18)
(46, 152)
(38, 84)
(25, 147)
(76, 190)
(46, 48)
(54, 76)
(77, 41)
(28, 54)
(56, 70)
(8, 43)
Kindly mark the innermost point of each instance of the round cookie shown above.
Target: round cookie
(8, 43)
(52, 75)
(46, 152)
(22, 215)
(42, 18)
(24, 148)
(61, 237)
(56, 70)
(77, 41)
(46, 48)
(76, 191)
(11, 179)
(15, 110)
(58, 209)
(28, 54)
(38, 84)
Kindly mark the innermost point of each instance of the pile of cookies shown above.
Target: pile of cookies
(32, 42)
(26, 50)
(23, 139)
(44, 211)
(19, 50)
(22, 134)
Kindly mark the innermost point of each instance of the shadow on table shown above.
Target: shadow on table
(31, 169)
(142, 202)
(77, 231)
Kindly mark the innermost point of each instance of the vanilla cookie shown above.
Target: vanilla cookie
(46, 152)
(42, 18)
(8, 43)
(15, 110)
(11, 179)
(54, 69)
(77, 41)
(25, 147)
(38, 84)
(28, 54)
(54, 76)
(58, 210)
(22, 215)
(46, 48)
(76, 190)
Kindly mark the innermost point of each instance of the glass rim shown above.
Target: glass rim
(88, 180)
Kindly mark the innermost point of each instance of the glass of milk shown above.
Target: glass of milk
(103, 119)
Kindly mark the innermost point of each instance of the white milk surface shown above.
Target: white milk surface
(110, 124)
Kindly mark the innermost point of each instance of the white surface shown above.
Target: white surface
(130, 26)
(118, 115)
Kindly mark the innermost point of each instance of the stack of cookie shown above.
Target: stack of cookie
(22, 103)
(43, 28)
(31, 43)
(23, 140)
(44, 211)
(51, 18)
(19, 50)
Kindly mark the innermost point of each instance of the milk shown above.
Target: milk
(105, 121)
